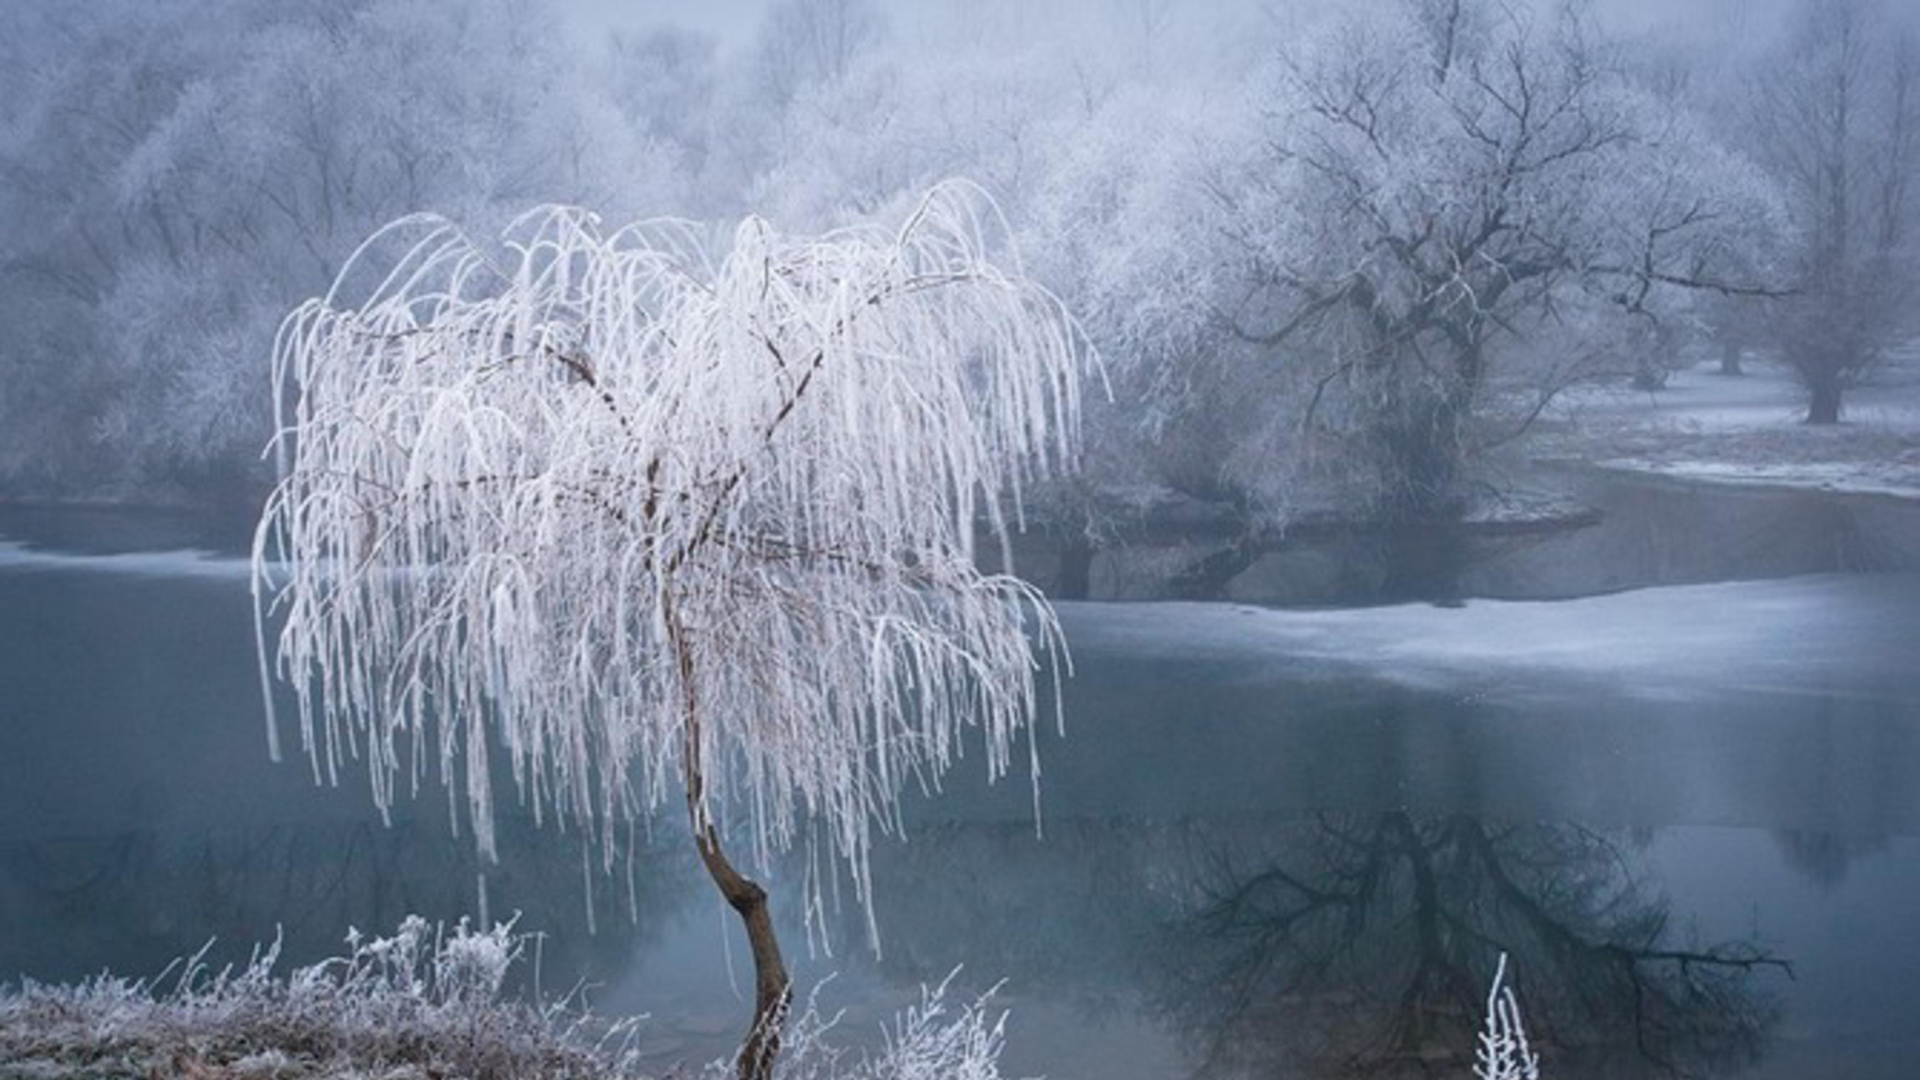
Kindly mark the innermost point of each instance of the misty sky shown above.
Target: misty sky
(732, 21)
(729, 20)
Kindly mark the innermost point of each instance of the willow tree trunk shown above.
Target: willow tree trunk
(772, 990)
(771, 987)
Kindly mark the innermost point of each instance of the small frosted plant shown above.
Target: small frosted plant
(1503, 1053)
(425, 1001)
(943, 1037)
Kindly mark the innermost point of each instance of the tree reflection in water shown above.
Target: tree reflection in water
(1361, 945)
(1824, 858)
(1344, 945)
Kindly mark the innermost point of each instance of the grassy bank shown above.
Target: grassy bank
(1747, 429)
(424, 1004)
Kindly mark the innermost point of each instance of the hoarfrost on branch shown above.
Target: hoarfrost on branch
(656, 522)
(1503, 1053)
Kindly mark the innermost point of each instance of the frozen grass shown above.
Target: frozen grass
(1503, 1052)
(1747, 429)
(933, 1040)
(423, 1004)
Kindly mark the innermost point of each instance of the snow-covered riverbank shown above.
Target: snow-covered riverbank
(1780, 636)
(1747, 429)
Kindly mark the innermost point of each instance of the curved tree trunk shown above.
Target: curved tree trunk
(772, 990)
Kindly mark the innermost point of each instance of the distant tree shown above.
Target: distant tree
(665, 82)
(806, 43)
(176, 177)
(271, 167)
(1836, 114)
(1123, 226)
(867, 143)
(83, 86)
(1440, 180)
(801, 48)
(670, 526)
(1700, 74)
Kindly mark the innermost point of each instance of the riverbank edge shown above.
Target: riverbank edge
(422, 1004)
(1169, 547)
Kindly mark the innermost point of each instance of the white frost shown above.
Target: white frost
(1503, 1053)
(1790, 636)
(663, 515)
(169, 564)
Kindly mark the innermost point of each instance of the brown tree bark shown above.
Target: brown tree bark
(771, 985)
(772, 989)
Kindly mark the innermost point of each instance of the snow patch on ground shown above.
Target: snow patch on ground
(171, 564)
(1855, 478)
(1808, 633)
(1747, 429)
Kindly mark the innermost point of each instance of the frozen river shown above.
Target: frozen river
(1276, 842)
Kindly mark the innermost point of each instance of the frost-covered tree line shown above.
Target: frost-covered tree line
(178, 175)
(1332, 253)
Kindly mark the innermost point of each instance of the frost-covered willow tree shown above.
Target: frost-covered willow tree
(662, 524)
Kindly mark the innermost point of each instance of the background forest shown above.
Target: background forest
(1333, 254)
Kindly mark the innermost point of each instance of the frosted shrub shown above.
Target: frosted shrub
(933, 1040)
(1503, 1052)
(927, 1045)
(464, 968)
(474, 965)
(425, 1001)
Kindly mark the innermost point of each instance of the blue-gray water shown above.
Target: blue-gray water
(1276, 843)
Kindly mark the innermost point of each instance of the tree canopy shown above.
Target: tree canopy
(648, 514)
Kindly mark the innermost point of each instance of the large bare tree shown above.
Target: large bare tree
(656, 525)
(1836, 114)
(1442, 178)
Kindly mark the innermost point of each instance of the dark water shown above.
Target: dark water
(1276, 843)
(1644, 532)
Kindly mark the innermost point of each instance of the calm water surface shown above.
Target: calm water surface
(1276, 843)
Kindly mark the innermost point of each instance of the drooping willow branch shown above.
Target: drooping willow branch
(790, 441)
